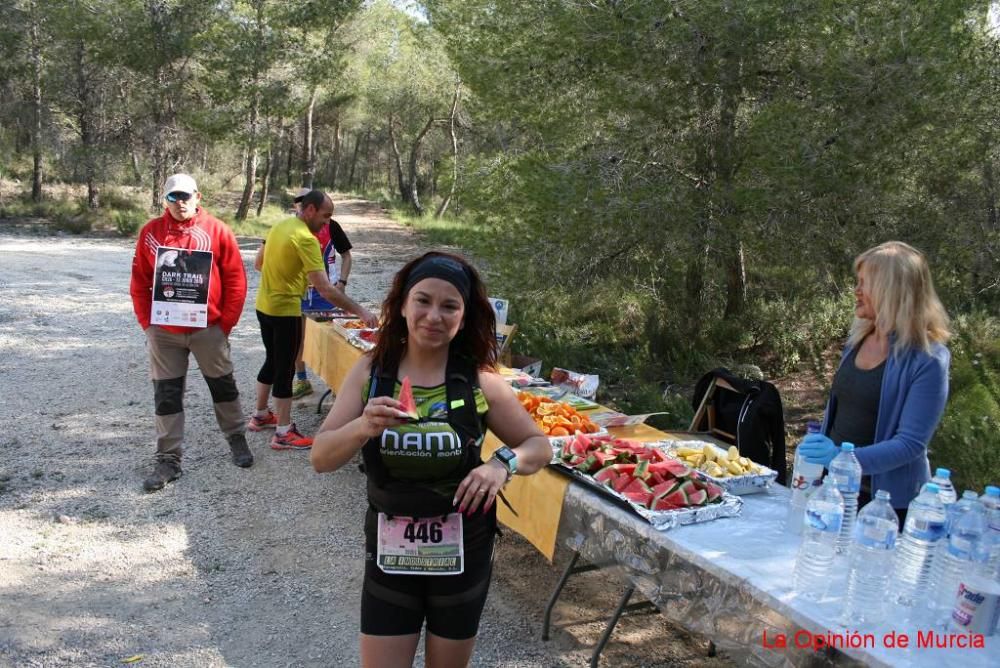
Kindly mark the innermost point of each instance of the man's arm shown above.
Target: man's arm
(141, 285)
(258, 260)
(234, 280)
(345, 266)
(321, 282)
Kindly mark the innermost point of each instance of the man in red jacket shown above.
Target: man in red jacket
(187, 270)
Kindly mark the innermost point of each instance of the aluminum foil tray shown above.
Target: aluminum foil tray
(662, 520)
(752, 483)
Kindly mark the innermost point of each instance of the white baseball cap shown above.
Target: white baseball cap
(302, 193)
(180, 183)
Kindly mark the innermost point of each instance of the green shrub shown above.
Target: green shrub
(78, 222)
(968, 438)
(127, 223)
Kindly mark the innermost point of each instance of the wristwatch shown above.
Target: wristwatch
(506, 456)
(343, 281)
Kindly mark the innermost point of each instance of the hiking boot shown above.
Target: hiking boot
(291, 440)
(302, 388)
(269, 421)
(163, 473)
(242, 456)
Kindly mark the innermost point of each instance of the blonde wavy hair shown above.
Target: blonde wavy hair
(903, 296)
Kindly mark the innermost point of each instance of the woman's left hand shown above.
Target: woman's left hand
(480, 487)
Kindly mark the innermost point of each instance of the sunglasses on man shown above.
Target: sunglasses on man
(178, 197)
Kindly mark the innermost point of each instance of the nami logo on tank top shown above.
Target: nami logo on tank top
(427, 452)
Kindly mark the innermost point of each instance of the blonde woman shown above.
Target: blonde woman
(892, 383)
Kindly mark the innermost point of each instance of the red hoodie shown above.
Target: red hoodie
(228, 287)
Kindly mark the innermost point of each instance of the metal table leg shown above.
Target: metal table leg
(319, 406)
(596, 656)
(571, 569)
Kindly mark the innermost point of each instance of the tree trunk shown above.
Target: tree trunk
(412, 173)
(368, 158)
(36, 106)
(354, 162)
(85, 112)
(403, 190)
(265, 182)
(726, 166)
(454, 155)
(250, 173)
(308, 155)
(288, 158)
(337, 140)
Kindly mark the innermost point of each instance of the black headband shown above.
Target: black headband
(438, 266)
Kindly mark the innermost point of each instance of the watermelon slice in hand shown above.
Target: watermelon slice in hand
(409, 406)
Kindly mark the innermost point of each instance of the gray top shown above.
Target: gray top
(858, 393)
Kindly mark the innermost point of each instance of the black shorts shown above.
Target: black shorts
(393, 605)
(282, 337)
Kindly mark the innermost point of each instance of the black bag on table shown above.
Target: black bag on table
(752, 414)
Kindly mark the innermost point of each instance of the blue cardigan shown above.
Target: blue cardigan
(914, 392)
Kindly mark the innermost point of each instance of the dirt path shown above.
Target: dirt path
(225, 567)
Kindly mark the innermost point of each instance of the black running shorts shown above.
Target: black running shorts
(393, 605)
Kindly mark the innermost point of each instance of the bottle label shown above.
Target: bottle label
(962, 546)
(848, 483)
(923, 529)
(825, 517)
(877, 534)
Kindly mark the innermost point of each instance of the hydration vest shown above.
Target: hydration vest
(408, 498)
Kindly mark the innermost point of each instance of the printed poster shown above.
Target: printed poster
(181, 279)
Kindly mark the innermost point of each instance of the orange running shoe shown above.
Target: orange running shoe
(291, 440)
(269, 421)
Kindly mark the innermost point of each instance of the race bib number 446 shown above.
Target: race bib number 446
(420, 546)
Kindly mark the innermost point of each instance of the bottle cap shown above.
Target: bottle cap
(969, 494)
(932, 487)
(846, 447)
(992, 490)
(882, 494)
(942, 473)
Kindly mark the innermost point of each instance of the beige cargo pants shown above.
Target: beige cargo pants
(168, 363)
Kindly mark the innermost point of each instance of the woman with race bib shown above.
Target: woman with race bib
(431, 521)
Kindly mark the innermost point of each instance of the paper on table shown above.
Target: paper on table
(616, 419)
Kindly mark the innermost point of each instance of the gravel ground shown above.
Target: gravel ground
(226, 566)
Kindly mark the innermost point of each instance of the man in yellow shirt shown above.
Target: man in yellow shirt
(292, 258)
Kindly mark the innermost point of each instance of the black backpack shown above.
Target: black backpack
(752, 414)
(411, 499)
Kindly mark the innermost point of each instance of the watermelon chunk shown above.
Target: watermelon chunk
(642, 469)
(606, 475)
(623, 481)
(409, 406)
(663, 504)
(666, 487)
(636, 485)
(698, 497)
(671, 466)
(641, 498)
(714, 491)
(677, 498)
(603, 458)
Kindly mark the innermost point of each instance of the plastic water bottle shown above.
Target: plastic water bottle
(961, 554)
(956, 510)
(806, 479)
(924, 529)
(814, 564)
(846, 473)
(872, 547)
(991, 543)
(946, 491)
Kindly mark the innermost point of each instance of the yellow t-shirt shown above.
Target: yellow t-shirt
(291, 252)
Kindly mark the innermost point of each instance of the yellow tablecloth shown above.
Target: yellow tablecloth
(538, 499)
(328, 353)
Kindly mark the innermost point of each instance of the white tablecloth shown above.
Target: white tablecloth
(731, 579)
